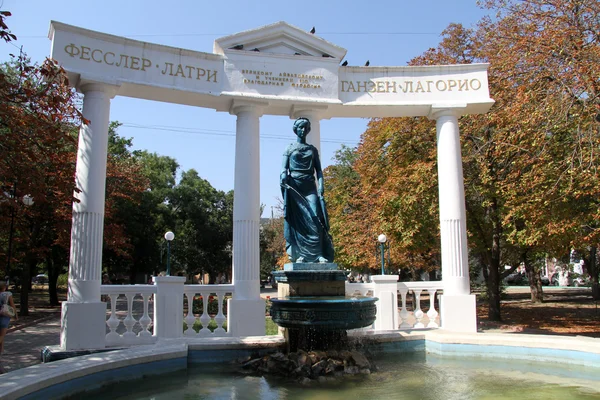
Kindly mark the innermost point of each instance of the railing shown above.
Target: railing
(408, 318)
(406, 322)
(359, 289)
(133, 331)
(208, 295)
(132, 317)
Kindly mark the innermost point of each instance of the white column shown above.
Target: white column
(246, 311)
(457, 305)
(83, 315)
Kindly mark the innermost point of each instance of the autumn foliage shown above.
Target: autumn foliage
(530, 164)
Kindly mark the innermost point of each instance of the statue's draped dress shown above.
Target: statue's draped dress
(305, 228)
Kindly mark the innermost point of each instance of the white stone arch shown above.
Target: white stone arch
(277, 69)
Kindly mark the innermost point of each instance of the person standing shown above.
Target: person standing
(5, 298)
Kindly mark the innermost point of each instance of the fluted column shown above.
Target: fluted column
(85, 263)
(83, 321)
(246, 203)
(458, 306)
(246, 316)
(453, 227)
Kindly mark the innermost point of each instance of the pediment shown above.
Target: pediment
(279, 38)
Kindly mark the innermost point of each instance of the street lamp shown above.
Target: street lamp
(382, 239)
(28, 200)
(169, 236)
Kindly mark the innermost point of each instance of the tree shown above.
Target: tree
(550, 58)
(204, 226)
(38, 114)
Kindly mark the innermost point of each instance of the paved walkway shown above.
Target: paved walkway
(22, 347)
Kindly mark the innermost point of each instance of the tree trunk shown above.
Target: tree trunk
(26, 278)
(594, 273)
(53, 273)
(493, 282)
(533, 275)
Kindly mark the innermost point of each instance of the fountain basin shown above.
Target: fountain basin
(324, 312)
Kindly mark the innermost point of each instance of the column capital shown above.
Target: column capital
(256, 107)
(446, 110)
(87, 86)
(308, 111)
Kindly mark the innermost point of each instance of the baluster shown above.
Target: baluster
(129, 321)
(404, 312)
(220, 317)
(432, 313)
(205, 318)
(145, 321)
(190, 319)
(418, 312)
(113, 322)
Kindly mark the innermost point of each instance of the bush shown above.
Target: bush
(213, 305)
(63, 280)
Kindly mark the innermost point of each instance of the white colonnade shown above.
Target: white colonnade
(288, 72)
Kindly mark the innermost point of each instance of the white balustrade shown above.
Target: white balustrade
(129, 321)
(359, 289)
(208, 294)
(415, 320)
(409, 318)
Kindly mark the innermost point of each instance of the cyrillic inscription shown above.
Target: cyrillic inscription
(412, 86)
(139, 63)
(268, 78)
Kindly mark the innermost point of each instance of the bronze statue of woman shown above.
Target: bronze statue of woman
(306, 226)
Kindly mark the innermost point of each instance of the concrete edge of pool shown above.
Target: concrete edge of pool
(78, 374)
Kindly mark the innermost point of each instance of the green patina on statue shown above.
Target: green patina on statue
(306, 226)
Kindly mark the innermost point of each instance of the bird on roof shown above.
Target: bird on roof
(367, 63)
(345, 63)
(313, 30)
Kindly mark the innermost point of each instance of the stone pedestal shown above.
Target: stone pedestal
(83, 326)
(168, 306)
(458, 313)
(386, 289)
(310, 279)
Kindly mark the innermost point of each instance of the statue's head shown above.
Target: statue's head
(304, 124)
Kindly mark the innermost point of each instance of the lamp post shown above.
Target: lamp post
(169, 236)
(382, 239)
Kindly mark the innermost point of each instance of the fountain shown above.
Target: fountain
(312, 307)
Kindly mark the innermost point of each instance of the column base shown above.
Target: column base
(246, 317)
(83, 326)
(458, 313)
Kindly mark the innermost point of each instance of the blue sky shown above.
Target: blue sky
(388, 33)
